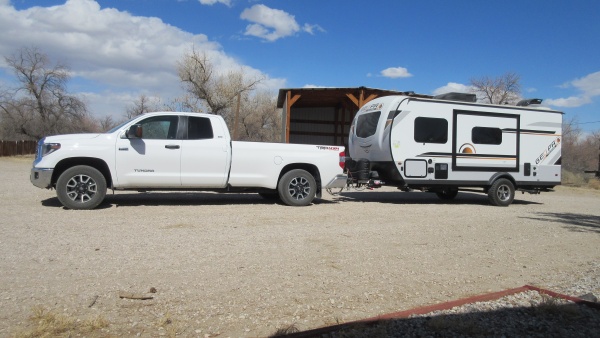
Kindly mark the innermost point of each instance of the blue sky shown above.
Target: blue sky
(119, 49)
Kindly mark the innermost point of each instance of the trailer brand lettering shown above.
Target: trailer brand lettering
(143, 170)
(547, 152)
(371, 107)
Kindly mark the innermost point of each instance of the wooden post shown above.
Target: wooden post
(290, 102)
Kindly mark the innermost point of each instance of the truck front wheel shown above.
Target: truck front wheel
(297, 188)
(81, 187)
(501, 193)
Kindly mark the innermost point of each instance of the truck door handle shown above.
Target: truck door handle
(172, 146)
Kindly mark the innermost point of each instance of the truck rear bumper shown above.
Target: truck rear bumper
(339, 181)
(41, 177)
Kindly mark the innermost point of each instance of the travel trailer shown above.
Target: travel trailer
(449, 143)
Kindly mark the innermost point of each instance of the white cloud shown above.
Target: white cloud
(314, 86)
(569, 102)
(588, 87)
(310, 29)
(395, 72)
(453, 87)
(108, 48)
(212, 2)
(273, 24)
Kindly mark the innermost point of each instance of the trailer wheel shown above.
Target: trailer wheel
(297, 188)
(501, 193)
(447, 194)
(81, 187)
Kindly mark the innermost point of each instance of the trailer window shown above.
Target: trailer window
(366, 124)
(485, 135)
(431, 130)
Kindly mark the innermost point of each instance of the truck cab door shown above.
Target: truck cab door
(152, 159)
(205, 153)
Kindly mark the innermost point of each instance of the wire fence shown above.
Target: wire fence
(14, 148)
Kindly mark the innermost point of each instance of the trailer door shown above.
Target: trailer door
(484, 141)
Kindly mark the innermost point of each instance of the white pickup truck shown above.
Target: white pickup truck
(181, 151)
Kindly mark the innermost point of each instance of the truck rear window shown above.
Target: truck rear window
(366, 124)
(199, 128)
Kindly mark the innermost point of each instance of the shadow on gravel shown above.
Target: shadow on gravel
(202, 198)
(417, 198)
(573, 222)
(570, 320)
(179, 198)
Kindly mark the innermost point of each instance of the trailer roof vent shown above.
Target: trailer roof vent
(464, 97)
(529, 102)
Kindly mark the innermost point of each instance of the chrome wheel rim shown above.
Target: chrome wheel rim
(81, 188)
(299, 188)
(503, 193)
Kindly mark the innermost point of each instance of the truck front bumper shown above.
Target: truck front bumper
(339, 181)
(41, 177)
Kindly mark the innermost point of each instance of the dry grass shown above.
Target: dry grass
(283, 331)
(48, 323)
(556, 306)
(580, 180)
(170, 325)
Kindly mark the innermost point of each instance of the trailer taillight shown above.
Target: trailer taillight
(342, 159)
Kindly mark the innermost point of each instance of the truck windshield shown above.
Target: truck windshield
(366, 124)
(116, 128)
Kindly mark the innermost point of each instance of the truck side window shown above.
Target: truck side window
(160, 127)
(199, 128)
(431, 130)
(485, 135)
(366, 124)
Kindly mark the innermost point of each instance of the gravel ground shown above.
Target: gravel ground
(237, 265)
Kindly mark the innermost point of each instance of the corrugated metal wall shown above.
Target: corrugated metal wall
(320, 125)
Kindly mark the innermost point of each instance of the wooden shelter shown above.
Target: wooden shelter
(323, 115)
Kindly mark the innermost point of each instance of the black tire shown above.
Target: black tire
(297, 188)
(81, 187)
(447, 193)
(501, 193)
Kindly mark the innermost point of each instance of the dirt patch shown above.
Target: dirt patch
(238, 265)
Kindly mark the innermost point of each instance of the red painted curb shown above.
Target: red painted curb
(442, 306)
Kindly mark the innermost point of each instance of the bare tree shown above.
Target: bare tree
(106, 123)
(186, 103)
(505, 89)
(260, 120)
(217, 91)
(144, 104)
(579, 149)
(40, 105)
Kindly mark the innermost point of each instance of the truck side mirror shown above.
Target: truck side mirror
(135, 131)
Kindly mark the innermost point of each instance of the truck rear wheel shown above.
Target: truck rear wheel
(297, 188)
(81, 187)
(501, 193)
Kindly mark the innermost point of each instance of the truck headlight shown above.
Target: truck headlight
(49, 148)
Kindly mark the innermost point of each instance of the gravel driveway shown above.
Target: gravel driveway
(238, 265)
